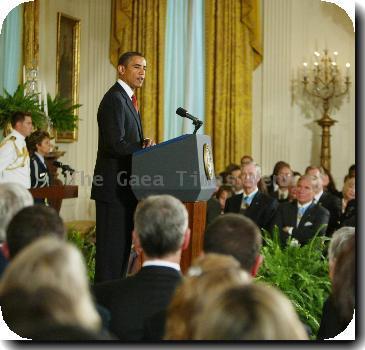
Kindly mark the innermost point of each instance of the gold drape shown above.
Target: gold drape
(31, 34)
(233, 50)
(139, 25)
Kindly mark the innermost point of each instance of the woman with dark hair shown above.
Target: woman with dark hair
(39, 146)
(328, 182)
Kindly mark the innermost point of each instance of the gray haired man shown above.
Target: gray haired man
(161, 233)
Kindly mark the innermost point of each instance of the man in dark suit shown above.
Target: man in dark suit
(326, 199)
(120, 134)
(301, 219)
(252, 203)
(161, 232)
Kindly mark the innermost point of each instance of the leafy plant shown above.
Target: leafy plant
(18, 102)
(61, 113)
(86, 244)
(301, 272)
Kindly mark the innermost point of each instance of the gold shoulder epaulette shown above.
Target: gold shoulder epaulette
(6, 140)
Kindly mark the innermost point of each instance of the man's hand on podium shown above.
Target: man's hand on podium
(148, 143)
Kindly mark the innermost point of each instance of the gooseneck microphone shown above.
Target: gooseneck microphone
(184, 113)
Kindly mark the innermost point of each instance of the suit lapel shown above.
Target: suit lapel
(136, 115)
(307, 215)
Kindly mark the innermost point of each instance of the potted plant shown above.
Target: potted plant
(20, 102)
(61, 113)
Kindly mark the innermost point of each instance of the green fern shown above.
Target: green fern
(86, 244)
(301, 272)
(18, 102)
(62, 113)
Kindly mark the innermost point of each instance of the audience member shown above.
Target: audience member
(282, 180)
(328, 182)
(238, 236)
(258, 206)
(250, 312)
(208, 276)
(13, 197)
(325, 199)
(293, 186)
(270, 181)
(246, 159)
(301, 219)
(216, 204)
(338, 309)
(161, 232)
(352, 170)
(234, 177)
(46, 286)
(348, 199)
(31, 223)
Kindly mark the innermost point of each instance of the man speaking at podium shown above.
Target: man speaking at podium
(120, 134)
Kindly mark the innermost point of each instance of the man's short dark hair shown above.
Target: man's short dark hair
(18, 117)
(31, 223)
(236, 235)
(126, 56)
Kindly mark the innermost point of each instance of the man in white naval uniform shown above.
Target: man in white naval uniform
(14, 156)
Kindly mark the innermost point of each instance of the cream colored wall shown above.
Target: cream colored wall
(96, 76)
(292, 30)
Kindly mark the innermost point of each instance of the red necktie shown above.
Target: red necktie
(135, 103)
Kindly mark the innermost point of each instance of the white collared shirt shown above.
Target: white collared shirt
(127, 88)
(317, 197)
(158, 262)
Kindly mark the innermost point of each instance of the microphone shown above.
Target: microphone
(184, 113)
(64, 167)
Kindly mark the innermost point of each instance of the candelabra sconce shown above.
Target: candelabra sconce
(324, 83)
(30, 79)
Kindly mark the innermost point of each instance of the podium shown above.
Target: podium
(55, 194)
(182, 167)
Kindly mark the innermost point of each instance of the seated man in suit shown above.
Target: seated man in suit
(252, 203)
(238, 236)
(161, 232)
(283, 180)
(325, 199)
(301, 219)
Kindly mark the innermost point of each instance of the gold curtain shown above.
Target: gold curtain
(139, 25)
(233, 51)
(31, 34)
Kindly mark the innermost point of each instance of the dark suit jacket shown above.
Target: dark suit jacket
(213, 210)
(120, 134)
(314, 217)
(331, 322)
(261, 210)
(38, 172)
(275, 195)
(135, 299)
(334, 206)
(348, 218)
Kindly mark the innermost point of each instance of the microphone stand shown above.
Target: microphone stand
(198, 124)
